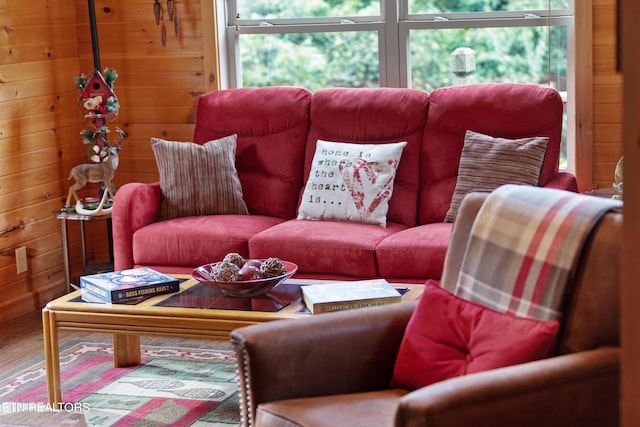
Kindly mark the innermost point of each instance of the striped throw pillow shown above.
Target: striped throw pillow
(487, 163)
(198, 179)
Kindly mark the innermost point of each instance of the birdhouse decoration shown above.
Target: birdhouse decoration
(98, 98)
(99, 104)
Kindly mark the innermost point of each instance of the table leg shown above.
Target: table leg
(51, 357)
(126, 350)
(65, 254)
(110, 239)
(83, 247)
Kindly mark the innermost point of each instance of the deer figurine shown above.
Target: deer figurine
(100, 172)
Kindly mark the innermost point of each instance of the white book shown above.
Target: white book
(338, 296)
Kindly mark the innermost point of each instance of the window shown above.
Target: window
(402, 43)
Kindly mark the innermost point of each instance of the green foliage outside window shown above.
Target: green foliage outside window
(350, 58)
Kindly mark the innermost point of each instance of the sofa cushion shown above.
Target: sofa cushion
(503, 110)
(271, 124)
(448, 336)
(351, 182)
(339, 248)
(374, 116)
(487, 163)
(416, 253)
(196, 240)
(198, 179)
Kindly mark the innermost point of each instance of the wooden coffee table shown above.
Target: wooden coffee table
(196, 312)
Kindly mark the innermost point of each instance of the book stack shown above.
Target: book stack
(337, 296)
(126, 286)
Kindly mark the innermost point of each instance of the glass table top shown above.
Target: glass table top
(198, 295)
(202, 296)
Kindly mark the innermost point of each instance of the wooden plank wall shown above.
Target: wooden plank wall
(607, 94)
(39, 129)
(45, 43)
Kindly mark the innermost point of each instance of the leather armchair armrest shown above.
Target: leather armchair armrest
(325, 354)
(559, 391)
(135, 205)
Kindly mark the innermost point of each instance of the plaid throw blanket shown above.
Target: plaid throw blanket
(523, 249)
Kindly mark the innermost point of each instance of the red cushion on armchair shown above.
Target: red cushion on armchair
(448, 336)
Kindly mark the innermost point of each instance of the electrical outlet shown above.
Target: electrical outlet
(21, 260)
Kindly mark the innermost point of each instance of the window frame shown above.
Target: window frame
(394, 48)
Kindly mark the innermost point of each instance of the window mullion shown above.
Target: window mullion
(307, 21)
(486, 23)
(404, 55)
(403, 9)
(234, 63)
(318, 28)
(389, 54)
(488, 15)
(232, 12)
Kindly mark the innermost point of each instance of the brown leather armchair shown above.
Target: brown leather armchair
(334, 369)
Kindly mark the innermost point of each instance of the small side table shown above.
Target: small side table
(86, 268)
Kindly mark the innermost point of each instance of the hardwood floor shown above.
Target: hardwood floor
(21, 340)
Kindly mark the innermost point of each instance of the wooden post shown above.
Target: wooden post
(630, 298)
(95, 46)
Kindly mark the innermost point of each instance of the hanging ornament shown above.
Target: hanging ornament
(157, 11)
(172, 11)
(170, 8)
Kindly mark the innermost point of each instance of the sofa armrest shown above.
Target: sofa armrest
(558, 391)
(563, 181)
(325, 354)
(135, 205)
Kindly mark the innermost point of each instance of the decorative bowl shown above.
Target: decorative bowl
(242, 288)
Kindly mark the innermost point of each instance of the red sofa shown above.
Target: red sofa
(277, 130)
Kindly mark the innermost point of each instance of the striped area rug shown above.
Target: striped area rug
(174, 386)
